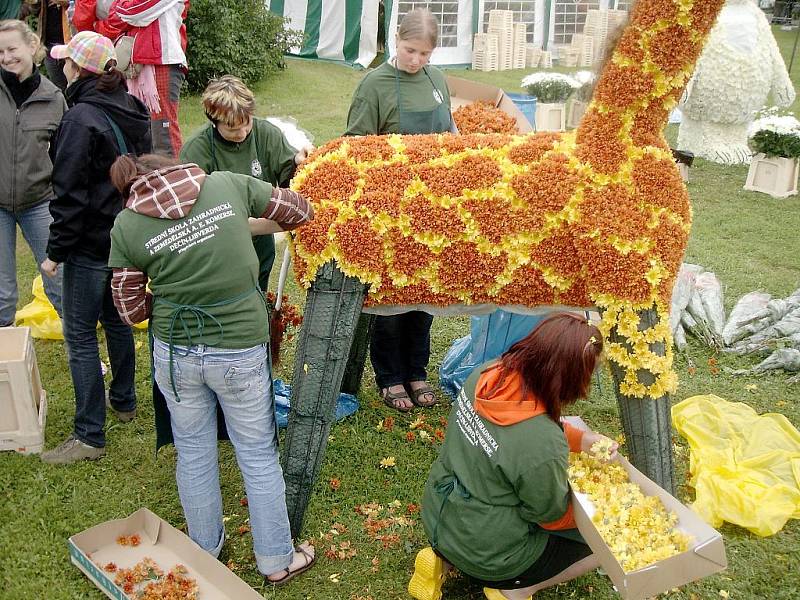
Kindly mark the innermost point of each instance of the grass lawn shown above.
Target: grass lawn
(749, 240)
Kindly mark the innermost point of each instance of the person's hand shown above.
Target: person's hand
(590, 438)
(49, 267)
(302, 155)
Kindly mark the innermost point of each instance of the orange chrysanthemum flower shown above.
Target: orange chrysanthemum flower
(360, 245)
(659, 183)
(335, 181)
(370, 148)
(623, 87)
(383, 188)
(599, 143)
(408, 255)
(533, 148)
(647, 14)
(472, 172)
(673, 48)
(483, 117)
(613, 211)
(528, 289)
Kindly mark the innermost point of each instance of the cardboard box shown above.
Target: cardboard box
(705, 556)
(463, 91)
(95, 547)
(23, 402)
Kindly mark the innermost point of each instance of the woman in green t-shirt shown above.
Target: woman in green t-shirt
(404, 95)
(497, 501)
(188, 233)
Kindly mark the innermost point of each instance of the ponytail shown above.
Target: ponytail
(127, 169)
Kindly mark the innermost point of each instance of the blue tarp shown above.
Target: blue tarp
(490, 336)
(346, 404)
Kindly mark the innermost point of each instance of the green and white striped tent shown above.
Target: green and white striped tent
(347, 30)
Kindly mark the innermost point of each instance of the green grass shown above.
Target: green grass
(748, 239)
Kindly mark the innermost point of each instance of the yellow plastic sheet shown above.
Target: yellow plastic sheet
(40, 315)
(744, 467)
(42, 318)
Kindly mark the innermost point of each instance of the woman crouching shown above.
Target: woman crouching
(188, 233)
(497, 500)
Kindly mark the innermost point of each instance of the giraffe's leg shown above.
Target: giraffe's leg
(333, 306)
(647, 422)
(354, 370)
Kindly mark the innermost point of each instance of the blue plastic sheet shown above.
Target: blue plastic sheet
(346, 404)
(490, 336)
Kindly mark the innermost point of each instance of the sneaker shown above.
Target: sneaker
(123, 416)
(72, 451)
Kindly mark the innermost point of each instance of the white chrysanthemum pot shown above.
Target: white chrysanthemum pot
(773, 175)
(551, 117)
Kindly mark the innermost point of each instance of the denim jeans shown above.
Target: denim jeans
(87, 299)
(35, 225)
(401, 347)
(240, 380)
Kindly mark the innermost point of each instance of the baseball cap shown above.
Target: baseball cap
(89, 50)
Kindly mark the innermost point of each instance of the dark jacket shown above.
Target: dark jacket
(25, 135)
(84, 148)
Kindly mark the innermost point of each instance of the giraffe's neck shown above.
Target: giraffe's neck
(644, 78)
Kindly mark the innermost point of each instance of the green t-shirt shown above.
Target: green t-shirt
(491, 486)
(264, 154)
(204, 258)
(373, 110)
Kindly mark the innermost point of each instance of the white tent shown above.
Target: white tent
(347, 30)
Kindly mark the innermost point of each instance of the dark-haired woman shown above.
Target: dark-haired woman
(497, 500)
(103, 122)
(188, 233)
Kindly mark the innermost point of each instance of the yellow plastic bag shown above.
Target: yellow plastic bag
(745, 467)
(42, 318)
(40, 315)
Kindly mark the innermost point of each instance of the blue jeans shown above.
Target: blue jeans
(35, 226)
(87, 299)
(240, 380)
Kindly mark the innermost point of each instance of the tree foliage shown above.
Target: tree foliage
(235, 37)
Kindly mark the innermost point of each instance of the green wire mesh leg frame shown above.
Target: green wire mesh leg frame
(354, 371)
(647, 422)
(333, 307)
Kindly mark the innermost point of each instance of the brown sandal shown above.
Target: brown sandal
(421, 391)
(289, 575)
(389, 399)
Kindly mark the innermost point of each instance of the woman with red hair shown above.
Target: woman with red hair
(497, 501)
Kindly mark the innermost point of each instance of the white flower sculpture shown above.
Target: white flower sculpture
(739, 67)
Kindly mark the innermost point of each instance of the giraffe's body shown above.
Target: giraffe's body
(595, 217)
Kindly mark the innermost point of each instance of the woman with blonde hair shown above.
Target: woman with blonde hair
(31, 108)
(236, 140)
(404, 95)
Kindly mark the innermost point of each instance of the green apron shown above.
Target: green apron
(423, 121)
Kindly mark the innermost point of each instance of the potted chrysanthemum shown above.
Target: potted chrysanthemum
(775, 141)
(580, 99)
(551, 91)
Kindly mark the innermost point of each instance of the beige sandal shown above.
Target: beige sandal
(289, 575)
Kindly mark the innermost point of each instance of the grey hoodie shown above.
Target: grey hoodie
(25, 167)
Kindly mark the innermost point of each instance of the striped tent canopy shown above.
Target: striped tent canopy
(347, 30)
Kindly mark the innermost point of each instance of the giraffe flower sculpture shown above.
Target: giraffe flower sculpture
(595, 217)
